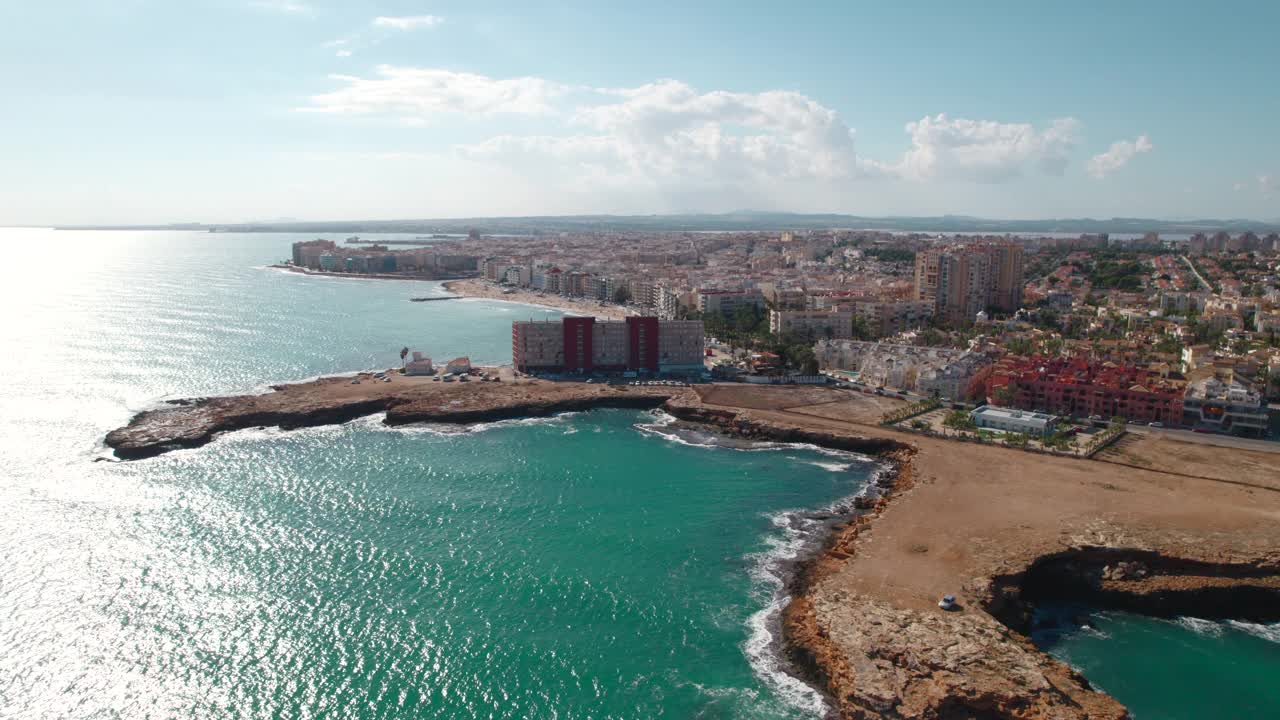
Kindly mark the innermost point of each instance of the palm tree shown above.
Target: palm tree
(404, 352)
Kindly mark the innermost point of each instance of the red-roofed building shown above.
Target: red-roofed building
(1080, 388)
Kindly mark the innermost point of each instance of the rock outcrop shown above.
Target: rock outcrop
(333, 400)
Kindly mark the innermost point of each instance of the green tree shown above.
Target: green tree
(1003, 395)
(958, 420)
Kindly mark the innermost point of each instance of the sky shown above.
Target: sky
(141, 111)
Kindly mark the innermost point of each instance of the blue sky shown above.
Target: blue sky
(226, 110)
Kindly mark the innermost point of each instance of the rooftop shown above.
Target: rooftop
(992, 411)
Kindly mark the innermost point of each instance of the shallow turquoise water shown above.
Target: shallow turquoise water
(579, 566)
(1185, 669)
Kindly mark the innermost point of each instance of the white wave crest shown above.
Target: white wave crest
(449, 429)
(831, 466)
(763, 646)
(800, 535)
(1269, 632)
(1200, 626)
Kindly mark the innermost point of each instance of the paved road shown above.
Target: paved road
(1228, 441)
(1196, 272)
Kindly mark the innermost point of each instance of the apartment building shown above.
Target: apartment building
(962, 280)
(307, 253)
(1081, 388)
(885, 318)
(584, 344)
(830, 324)
(728, 302)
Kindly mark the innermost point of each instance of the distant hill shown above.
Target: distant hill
(743, 220)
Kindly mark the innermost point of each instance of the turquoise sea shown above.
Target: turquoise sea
(1180, 669)
(588, 565)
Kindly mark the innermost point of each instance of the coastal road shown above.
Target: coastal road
(1194, 271)
(1227, 441)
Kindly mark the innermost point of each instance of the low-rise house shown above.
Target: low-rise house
(1016, 421)
(1227, 406)
(944, 372)
(458, 366)
(419, 365)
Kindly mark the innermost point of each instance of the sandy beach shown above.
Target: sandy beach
(484, 289)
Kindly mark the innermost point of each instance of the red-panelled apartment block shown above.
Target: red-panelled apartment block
(585, 345)
(1077, 387)
(577, 343)
(643, 351)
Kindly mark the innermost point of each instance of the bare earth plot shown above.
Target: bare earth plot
(839, 404)
(988, 524)
(1207, 461)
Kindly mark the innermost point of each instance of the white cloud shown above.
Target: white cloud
(417, 94)
(667, 136)
(343, 53)
(946, 148)
(410, 22)
(667, 144)
(1118, 155)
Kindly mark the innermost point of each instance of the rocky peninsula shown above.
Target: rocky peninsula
(1158, 531)
(405, 399)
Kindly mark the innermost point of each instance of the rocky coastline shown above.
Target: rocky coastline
(334, 400)
(1003, 530)
(877, 656)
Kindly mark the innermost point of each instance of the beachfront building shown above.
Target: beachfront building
(419, 365)
(1015, 421)
(307, 252)
(585, 345)
(458, 366)
(941, 372)
(327, 256)
(811, 323)
(1225, 406)
(1080, 388)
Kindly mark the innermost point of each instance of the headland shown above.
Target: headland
(430, 277)
(405, 399)
(999, 528)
